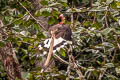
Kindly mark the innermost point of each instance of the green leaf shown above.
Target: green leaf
(109, 1)
(37, 27)
(55, 13)
(24, 33)
(65, 1)
(1, 43)
(95, 73)
(109, 65)
(44, 2)
(36, 44)
(106, 31)
(38, 13)
(10, 38)
(90, 69)
(82, 10)
(97, 25)
(30, 47)
(54, 4)
(25, 39)
(28, 23)
(40, 35)
(51, 20)
(20, 15)
(25, 75)
(27, 4)
(69, 10)
(76, 10)
(24, 51)
(63, 52)
(96, 4)
(114, 5)
(18, 43)
(46, 9)
(118, 4)
(31, 40)
(86, 23)
(33, 59)
(112, 77)
(24, 4)
(46, 13)
(117, 32)
(65, 4)
(117, 70)
(18, 21)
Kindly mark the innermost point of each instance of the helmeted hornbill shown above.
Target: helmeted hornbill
(62, 38)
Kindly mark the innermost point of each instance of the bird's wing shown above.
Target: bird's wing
(58, 44)
(63, 38)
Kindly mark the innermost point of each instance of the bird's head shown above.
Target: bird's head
(61, 19)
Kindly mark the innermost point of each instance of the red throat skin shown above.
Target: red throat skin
(61, 22)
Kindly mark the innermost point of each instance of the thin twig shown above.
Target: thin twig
(102, 74)
(72, 22)
(37, 21)
(118, 45)
(106, 21)
(94, 20)
(89, 73)
(68, 72)
(91, 2)
(73, 64)
(60, 59)
(102, 39)
(72, 60)
(65, 62)
(113, 57)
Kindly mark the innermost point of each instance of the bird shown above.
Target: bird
(63, 36)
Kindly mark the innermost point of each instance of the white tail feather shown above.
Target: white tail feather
(58, 44)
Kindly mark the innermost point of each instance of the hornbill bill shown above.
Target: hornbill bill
(62, 37)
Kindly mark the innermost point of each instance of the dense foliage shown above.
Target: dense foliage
(96, 36)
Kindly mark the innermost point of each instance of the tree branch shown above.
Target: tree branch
(72, 21)
(50, 51)
(72, 61)
(37, 21)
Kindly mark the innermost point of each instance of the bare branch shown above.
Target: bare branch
(94, 20)
(60, 59)
(106, 21)
(72, 21)
(37, 21)
(72, 61)
(51, 48)
(50, 52)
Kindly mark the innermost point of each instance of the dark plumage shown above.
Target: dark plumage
(63, 30)
(62, 36)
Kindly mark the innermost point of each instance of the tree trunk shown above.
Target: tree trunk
(8, 57)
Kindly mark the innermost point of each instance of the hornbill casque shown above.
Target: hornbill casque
(62, 37)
